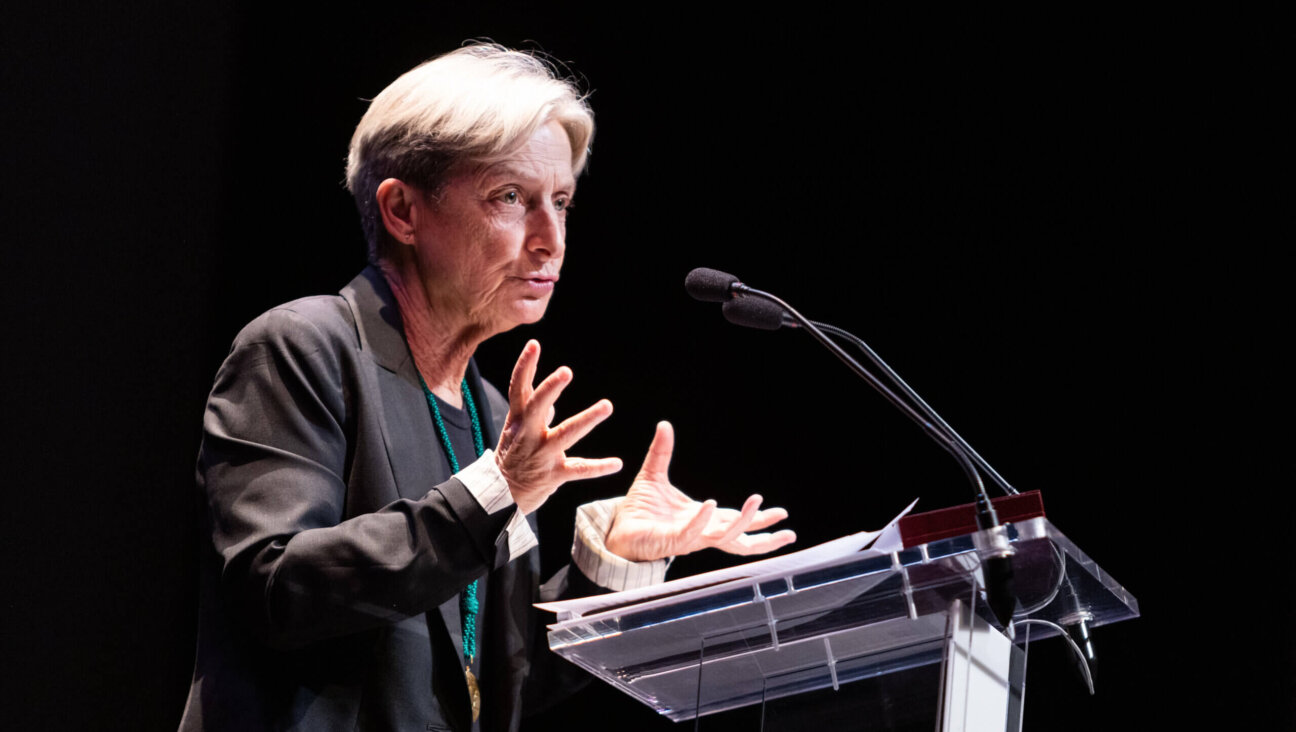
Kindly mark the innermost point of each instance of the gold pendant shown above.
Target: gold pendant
(474, 693)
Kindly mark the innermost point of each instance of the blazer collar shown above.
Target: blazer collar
(378, 319)
(382, 335)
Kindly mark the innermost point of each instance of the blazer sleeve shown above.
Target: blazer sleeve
(278, 451)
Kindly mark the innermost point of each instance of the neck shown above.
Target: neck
(441, 343)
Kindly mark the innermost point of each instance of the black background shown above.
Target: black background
(1062, 224)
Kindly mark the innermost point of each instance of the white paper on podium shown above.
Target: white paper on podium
(884, 541)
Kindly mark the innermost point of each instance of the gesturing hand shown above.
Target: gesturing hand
(531, 455)
(656, 520)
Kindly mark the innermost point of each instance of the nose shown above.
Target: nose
(546, 232)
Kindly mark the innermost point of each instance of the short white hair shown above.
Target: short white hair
(474, 103)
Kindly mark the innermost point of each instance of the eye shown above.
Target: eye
(510, 197)
(562, 204)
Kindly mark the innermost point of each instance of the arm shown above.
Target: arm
(313, 539)
(281, 470)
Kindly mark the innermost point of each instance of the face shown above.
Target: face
(490, 246)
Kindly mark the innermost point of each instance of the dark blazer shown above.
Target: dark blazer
(336, 539)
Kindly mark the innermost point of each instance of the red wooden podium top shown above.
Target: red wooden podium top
(943, 523)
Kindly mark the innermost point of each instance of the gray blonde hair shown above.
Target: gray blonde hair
(474, 103)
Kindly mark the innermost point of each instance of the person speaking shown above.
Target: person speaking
(370, 558)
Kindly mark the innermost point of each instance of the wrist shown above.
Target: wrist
(604, 567)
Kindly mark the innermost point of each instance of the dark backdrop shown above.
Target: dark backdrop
(1053, 221)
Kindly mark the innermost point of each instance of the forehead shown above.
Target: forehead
(545, 156)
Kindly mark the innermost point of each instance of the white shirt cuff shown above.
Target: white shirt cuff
(602, 566)
(486, 483)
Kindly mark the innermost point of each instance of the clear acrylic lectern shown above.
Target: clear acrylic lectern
(907, 632)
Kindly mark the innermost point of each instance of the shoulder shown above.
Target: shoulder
(302, 327)
(308, 341)
(293, 358)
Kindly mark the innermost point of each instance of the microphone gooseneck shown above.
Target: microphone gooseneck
(764, 315)
(996, 552)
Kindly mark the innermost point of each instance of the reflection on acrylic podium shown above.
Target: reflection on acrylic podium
(902, 641)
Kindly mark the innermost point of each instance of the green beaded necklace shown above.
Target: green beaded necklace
(469, 607)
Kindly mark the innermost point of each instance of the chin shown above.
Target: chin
(528, 314)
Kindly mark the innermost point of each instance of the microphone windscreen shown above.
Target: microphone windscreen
(753, 312)
(709, 285)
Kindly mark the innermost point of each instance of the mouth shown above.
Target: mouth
(538, 284)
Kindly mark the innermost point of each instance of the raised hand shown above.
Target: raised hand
(657, 520)
(531, 454)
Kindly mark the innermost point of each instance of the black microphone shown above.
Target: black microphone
(750, 312)
(709, 285)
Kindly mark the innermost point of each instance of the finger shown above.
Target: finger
(766, 518)
(585, 468)
(657, 462)
(739, 525)
(760, 543)
(688, 537)
(575, 427)
(550, 418)
(523, 376)
(544, 396)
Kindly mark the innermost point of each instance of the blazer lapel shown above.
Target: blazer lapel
(413, 448)
(409, 435)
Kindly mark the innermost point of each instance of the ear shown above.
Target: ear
(400, 205)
